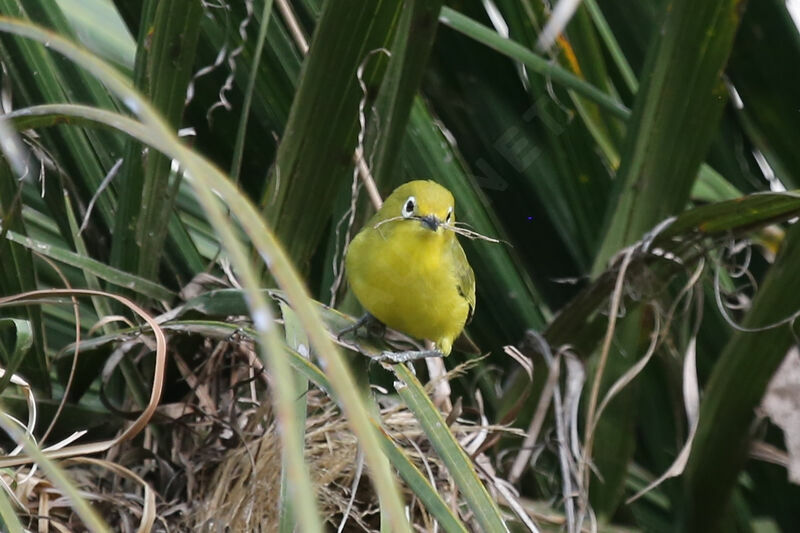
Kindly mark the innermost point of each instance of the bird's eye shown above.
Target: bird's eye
(449, 216)
(408, 207)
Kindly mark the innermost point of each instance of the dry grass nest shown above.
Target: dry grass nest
(212, 460)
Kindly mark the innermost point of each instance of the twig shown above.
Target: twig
(470, 234)
(293, 25)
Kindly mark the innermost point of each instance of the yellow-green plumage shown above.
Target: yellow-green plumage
(411, 273)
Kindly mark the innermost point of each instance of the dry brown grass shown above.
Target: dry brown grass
(212, 460)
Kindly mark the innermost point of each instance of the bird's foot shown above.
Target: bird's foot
(406, 356)
(354, 327)
(374, 326)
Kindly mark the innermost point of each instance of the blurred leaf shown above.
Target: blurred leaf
(421, 487)
(458, 463)
(169, 45)
(317, 149)
(537, 64)
(17, 275)
(737, 216)
(710, 186)
(612, 45)
(674, 120)
(37, 76)
(56, 475)
(12, 361)
(9, 515)
(768, 41)
(411, 46)
(100, 28)
(297, 340)
(101, 270)
(736, 387)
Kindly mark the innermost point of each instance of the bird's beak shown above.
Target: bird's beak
(431, 222)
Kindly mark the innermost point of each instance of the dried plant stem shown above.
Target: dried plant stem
(616, 299)
(468, 233)
(158, 375)
(524, 456)
(358, 157)
(293, 25)
(366, 177)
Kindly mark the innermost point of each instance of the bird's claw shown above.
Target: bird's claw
(406, 356)
(353, 327)
(375, 327)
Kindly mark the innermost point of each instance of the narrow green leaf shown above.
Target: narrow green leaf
(412, 44)
(674, 120)
(421, 487)
(768, 41)
(9, 515)
(101, 30)
(736, 387)
(92, 266)
(101, 305)
(584, 50)
(450, 451)
(316, 151)
(23, 341)
(124, 248)
(536, 63)
(712, 187)
(238, 149)
(297, 340)
(17, 274)
(56, 476)
(612, 45)
(170, 59)
(736, 216)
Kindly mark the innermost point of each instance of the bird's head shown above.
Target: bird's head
(421, 202)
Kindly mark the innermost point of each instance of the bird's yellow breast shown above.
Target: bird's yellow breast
(406, 277)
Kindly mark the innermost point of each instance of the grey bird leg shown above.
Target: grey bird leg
(366, 320)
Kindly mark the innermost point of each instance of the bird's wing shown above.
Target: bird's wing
(465, 277)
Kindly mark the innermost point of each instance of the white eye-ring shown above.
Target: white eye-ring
(408, 207)
(449, 216)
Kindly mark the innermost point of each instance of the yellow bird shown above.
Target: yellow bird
(408, 270)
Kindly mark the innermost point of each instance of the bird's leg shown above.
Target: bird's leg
(367, 319)
(406, 356)
(376, 328)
